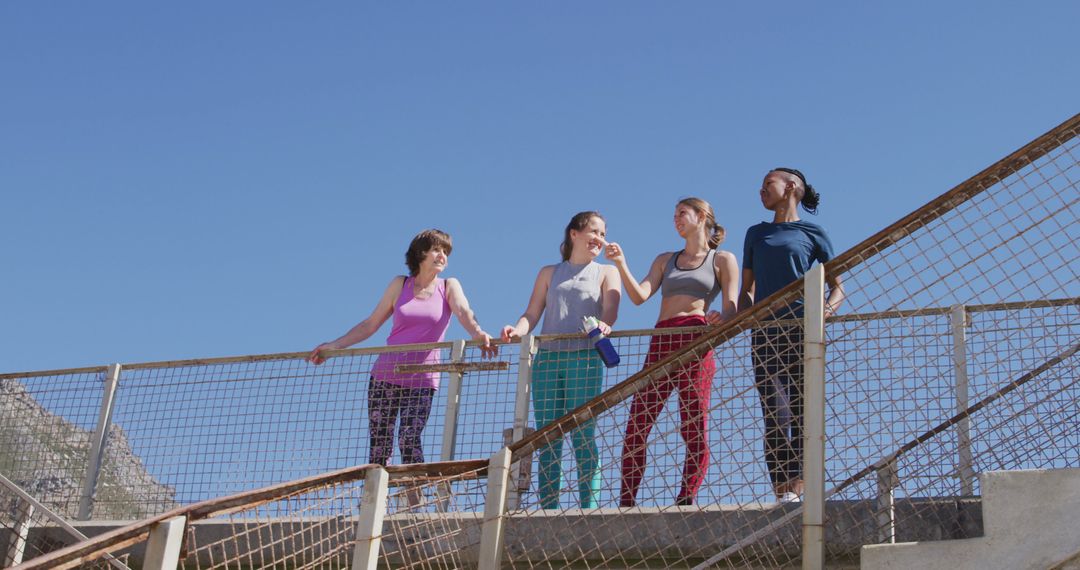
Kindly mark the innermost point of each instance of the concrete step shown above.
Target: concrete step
(1031, 519)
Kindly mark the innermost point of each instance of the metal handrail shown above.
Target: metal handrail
(891, 314)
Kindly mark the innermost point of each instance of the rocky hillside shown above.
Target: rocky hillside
(46, 455)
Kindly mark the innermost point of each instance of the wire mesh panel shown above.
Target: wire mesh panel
(20, 538)
(434, 522)
(30, 529)
(732, 438)
(681, 478)
(562, 380)
(46, 425)
(189, 431)
(311, 528)
(486, 406)
(211, 430)
(1036, 426)
(986, 383)
(204, 430)
(899, 382)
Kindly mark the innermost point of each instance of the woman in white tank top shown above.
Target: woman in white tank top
(568, 373)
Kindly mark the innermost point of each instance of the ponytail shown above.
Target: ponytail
(810, 198)
(717, 237)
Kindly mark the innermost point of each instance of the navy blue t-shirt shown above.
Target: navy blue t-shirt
(779, 253)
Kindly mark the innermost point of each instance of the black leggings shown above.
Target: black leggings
(385, 402)
(778, 372)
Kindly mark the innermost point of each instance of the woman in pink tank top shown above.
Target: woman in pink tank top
(421, 304)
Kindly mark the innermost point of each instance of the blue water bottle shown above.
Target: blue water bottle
(600, 342)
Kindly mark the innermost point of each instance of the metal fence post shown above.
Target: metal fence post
(888, 478)
(521, 411)
(453, 401)
(813, 554)
(491, 534)
(97, 444)
(369, 527)
(20, 531)
(163, 545)
(450, 421)
(958, 319)
(524, 383)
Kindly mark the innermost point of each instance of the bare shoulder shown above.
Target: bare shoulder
(396, 284)
(392, 291)
(663, 258)
(454, 293)
(543, 276)
(723, 257)
(610, 272)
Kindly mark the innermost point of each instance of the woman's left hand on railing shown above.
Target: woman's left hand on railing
(316, 357)
(487, 349)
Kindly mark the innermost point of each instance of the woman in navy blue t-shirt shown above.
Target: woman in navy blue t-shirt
(775, 254)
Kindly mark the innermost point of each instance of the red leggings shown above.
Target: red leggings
(694, 383)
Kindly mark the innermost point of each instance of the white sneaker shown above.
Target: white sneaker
(790, 497)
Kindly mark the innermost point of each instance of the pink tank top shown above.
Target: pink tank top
(415, 321)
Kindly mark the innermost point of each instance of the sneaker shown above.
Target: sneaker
(790, 497)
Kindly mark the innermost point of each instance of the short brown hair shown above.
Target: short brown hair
(424, 242)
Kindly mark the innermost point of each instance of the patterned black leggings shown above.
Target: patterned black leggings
(385, 402)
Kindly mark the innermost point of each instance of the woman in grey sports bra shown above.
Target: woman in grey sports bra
(689, 281)
(567, 373)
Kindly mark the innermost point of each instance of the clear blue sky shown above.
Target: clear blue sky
(219, 178)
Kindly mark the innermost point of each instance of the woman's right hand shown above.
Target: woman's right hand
(316, 357)
(507, 332)
(605, 329)
(613, 252)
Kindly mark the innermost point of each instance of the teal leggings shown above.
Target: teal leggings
(562, 381)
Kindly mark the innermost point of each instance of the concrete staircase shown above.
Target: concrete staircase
(1031, 519)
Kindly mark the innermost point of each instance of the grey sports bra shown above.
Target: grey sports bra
(699, 282)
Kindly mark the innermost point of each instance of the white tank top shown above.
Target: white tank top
(574, 293)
